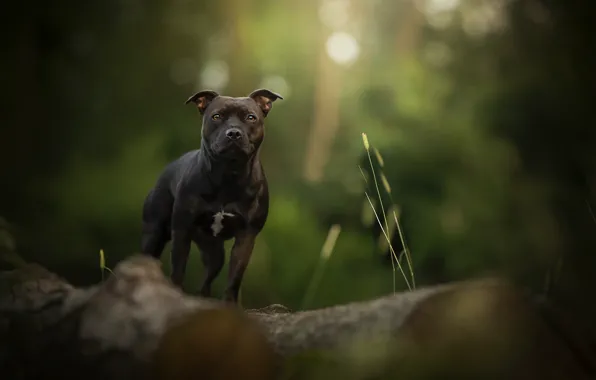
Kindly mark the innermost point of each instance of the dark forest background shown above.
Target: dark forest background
(483, 112)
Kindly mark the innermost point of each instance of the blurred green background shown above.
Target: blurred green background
(482, 112)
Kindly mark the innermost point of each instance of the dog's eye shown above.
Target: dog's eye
(216, 117)
(251, 117)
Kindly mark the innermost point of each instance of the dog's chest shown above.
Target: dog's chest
(218, 218)
(220, 224)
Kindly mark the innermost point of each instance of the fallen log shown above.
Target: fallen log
(137, 325)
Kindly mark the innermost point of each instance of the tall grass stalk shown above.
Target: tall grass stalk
(385, 230)
(367, 147)
(326, 252)
(102, 264)
(406, 250)
(402, 238)
(390, 248)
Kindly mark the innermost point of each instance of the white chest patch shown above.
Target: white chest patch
(218, 218)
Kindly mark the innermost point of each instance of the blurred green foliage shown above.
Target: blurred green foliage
(482, 111)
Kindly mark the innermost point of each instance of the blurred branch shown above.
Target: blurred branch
(138, 324)
(409, 32)
(236, 16)
(325, 122)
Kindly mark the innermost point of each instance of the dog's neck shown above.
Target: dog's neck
(224, 172)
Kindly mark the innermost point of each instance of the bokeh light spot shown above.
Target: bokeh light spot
(342, 48)
(215, 75)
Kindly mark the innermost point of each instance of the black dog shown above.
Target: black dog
(215, 193)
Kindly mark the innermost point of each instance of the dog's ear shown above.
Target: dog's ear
(264, 99)
(202, 99)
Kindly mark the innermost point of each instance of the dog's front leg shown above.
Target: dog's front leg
(183, 216)
(239, 258)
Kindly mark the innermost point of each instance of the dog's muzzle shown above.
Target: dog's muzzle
(234, 147)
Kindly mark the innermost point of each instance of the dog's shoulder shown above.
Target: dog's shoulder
(182, 167)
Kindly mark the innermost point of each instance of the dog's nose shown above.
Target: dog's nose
(233, 133)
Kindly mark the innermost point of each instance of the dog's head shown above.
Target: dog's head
(233, 128)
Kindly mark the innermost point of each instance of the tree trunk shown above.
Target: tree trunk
(138, 325)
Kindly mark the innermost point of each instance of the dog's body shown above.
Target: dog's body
(215, 193)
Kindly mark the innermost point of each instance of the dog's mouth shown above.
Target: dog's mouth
(233, 151)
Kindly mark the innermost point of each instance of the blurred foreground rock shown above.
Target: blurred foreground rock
(137, 325)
